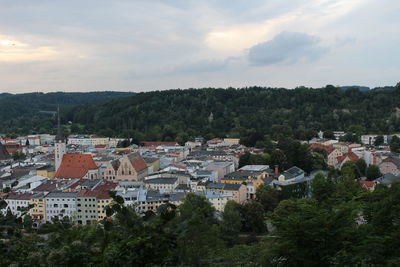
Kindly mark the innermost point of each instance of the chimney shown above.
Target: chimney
(276, 170)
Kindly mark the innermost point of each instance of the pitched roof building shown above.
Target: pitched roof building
(77, 166)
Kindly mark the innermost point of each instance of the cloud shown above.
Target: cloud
(286, 48)
(205, 65)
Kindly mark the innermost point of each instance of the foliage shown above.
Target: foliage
(373, 172)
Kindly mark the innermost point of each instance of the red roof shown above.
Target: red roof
(137, 162)
(367, 184)
(100, 146)
(152, 143)
(75, 166)
(99, 192)
(350, 155)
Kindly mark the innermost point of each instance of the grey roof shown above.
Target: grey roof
(61, 195)
(292, 172)
(388, 179)
(211, 185)
(232, 187)
(242, 175)
(161, 181)
(182, 187)
(88, 183)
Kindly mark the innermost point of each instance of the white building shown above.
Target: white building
(60, 204)
(16, 202)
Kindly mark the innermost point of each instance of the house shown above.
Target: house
(390, 165)
(341, 160)
(130, 167)
(293, 173)
(38, 210)
(333, 158)
(153, 164)
(46, 171)
(60, 204)
(367, 185)
(217, 199)
(16, 202)
(221, 167)
(86, 207)
(162, 184)
(77, 166)
(238, 191)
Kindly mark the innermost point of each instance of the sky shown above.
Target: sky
(145, 45)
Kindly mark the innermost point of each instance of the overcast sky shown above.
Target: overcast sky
(87, 45)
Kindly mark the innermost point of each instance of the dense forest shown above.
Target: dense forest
(254, 114)
(34, 112)
(339, 225)
(248, 113)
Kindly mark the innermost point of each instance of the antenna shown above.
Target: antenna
(59, 134)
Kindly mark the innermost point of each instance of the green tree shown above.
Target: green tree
(322, 188)
(361, 166)
(231, 222)
(253, 217)
(268, 197)
(373, 172)
(379, 140)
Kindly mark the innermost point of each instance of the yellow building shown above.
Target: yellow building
(232, 141)
(102, 203)
(38, 210)
(46, 171)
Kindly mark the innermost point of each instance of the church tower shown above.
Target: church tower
(59, 146)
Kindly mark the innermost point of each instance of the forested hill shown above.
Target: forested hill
(249, 113)
(23, 113)
(253, 114)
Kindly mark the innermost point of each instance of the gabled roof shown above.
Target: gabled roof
(75, 166)
(395, 161)
(366, 184)
(350, 155)
(137, 161)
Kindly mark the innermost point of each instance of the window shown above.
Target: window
(55, 205)
(65, 205)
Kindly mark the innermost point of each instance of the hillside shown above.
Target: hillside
(254, 114)
(249, 113)
(32, 112)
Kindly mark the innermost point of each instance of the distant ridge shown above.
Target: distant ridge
(360, 88)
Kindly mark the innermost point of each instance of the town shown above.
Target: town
(51, 177)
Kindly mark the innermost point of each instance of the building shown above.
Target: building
(390, 165)
(130, 167)
(38, 210)
(79, 166)
(60, 204)
(162, 184)
(60, 147)
(18, 203)
(46, 171)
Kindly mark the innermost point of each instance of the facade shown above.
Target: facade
(60, 204)
(86, 207)
(390, 165)
(162, 184)
(16, 202)
(38, 210)
(131, 167)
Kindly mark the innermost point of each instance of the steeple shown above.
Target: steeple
(59, 137)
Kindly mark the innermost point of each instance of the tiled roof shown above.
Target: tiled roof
(137, 162)
(350, 155)
(75, 166)
(17, 196)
